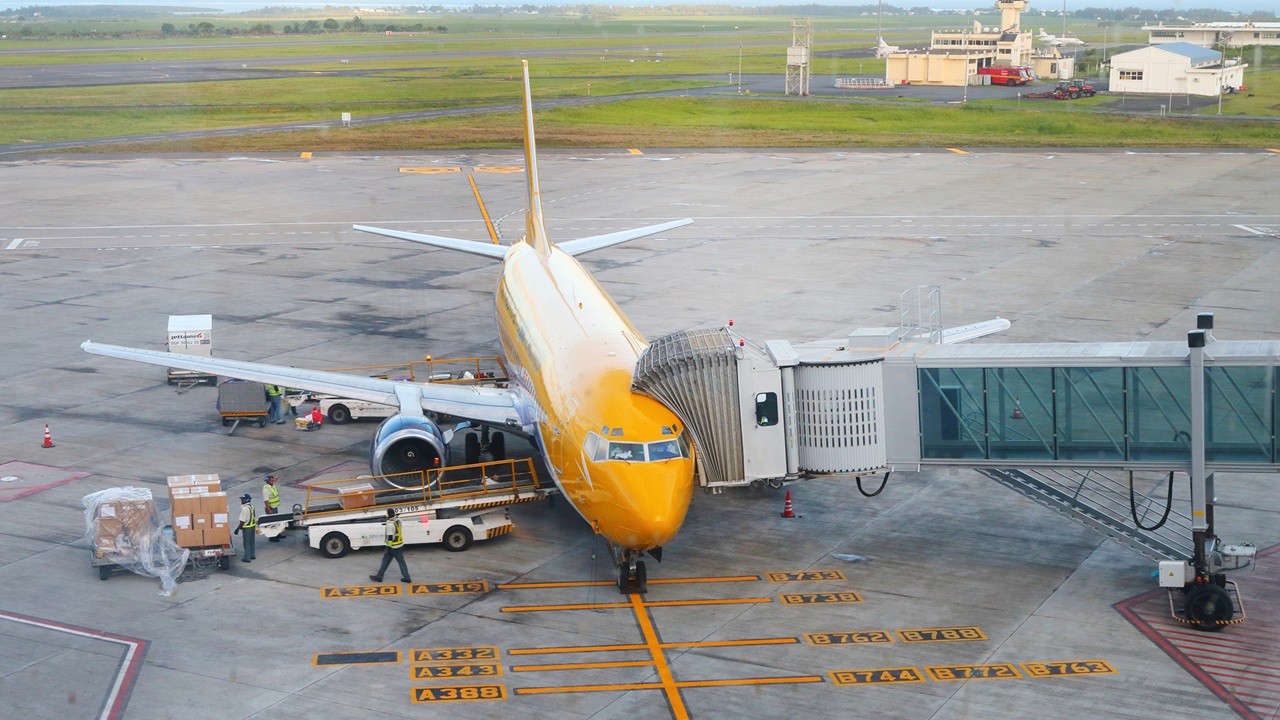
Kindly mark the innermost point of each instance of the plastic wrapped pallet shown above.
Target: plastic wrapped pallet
(122, 524)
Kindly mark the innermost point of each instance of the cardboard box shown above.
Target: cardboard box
(194, 483)
(357, 496)
(184, 532)
(219, 530)
(185, 505)
(213, 503)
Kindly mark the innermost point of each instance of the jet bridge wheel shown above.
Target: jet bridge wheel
(1208, 607)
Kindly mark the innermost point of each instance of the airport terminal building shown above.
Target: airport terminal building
(1177, 68)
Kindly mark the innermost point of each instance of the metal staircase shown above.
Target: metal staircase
(1101, 502)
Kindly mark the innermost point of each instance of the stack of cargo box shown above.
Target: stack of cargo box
(123, 526)
(200, 517)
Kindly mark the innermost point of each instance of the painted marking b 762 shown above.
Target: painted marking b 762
(431, 672)
(805, 576)
(857, 637)
(948, 634)
(876, 676)
(360, 591)
(453, 654)
(809, 598)
(1068, 667)
(455, 693)
(990, 671)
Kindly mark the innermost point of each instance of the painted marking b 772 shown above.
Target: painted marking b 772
(990, 671)
(948, 634)
(876, 676)
(1068, 667)
(453, 654)
(805, 576)
(431, 672)
(857, 637)
(481, 586)
(809, 598)
(360, 591)
(455, 693)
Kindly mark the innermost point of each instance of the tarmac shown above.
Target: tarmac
(945, 597)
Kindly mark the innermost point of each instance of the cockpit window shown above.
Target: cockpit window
(598, 448)
(626, 451)
(664, 450)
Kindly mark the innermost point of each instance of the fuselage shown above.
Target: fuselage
(622, 459)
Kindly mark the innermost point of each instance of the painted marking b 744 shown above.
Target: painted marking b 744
(857, 637)
(876, 676)
(1068, 667)
(453, 654)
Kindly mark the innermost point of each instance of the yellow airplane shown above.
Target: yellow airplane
(622, 459)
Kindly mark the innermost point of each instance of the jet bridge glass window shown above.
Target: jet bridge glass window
(1159, 413)
(952, 413)
(1090, 413)
(766, 409)
(1239, 413)
(1020, 412)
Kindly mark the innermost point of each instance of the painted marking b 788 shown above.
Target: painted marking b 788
(876, 676)
(453, 653)
(805, 576)
(360, 591)
(1068, 667)
(990, 671)
(464, 693)
(950, 634)
(858, 637)
(808, 598)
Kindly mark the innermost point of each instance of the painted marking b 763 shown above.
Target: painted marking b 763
(857, 637)
(1068, 667)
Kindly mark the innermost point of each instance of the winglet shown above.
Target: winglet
(535, 232)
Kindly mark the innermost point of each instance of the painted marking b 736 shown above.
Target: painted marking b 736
(455, 693)
(805, 576)
(453, 654)
(481, 586)
(857, 637)
(360, 591)
(990, 671)
(808, 598)
(948, 634)
(431, 672)
(1068, 667)
(876, 676)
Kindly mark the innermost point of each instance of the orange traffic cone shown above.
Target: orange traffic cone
(1017, 413)
(48, 439)
(786, 509)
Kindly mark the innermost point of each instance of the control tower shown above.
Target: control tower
(1011, 14)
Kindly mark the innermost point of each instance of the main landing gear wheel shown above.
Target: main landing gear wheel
(498, 446)
(633, 578)
(1208, 607)
(471, 449)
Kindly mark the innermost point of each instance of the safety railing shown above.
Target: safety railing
(469, 484)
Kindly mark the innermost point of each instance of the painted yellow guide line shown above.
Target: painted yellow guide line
(679, 685)
(958, 151)
(305, 156)
(430, 170)
(665, 646)
(500, 169)
(487, 222)
(1274, 150)
(660, 603)
(659, 657)
(634, 151)
(582, 666)
(602, 583)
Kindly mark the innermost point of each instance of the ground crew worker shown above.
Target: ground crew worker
(271, 499)
(274, 394)
(394, 534)
(249, 524)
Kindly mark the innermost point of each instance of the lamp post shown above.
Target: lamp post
(1222, 69)
(735, 27)
(964, 40)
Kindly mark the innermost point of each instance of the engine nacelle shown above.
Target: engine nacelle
(407, 444)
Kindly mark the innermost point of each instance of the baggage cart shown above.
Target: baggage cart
(242, 400)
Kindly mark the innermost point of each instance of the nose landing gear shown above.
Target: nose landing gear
(632, 575)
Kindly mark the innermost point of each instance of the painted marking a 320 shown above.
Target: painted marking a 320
(859, 637)
(876, 676)
(1070, 667)
(805, 576)
(453, 653)
(360, 591)
(455, 693)
(950, 634)
(446, 588)
(807, 598)
(429, 672)
(991, 671)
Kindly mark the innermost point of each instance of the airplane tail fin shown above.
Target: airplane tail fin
(535, 231)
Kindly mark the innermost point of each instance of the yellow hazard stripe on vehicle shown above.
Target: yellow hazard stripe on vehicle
(495, 532)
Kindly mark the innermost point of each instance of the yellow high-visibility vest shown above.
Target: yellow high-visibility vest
(253, 518)
(395, 536)
(272, 494)
(274, 390)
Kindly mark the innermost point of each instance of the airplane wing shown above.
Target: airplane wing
(595, 242)
(488, 250)
(494, 406)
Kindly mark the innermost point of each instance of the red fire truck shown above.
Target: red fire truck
(1017, 75)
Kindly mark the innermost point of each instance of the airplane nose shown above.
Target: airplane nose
(658, 506)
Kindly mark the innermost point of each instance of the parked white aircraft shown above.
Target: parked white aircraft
(1056, 41)
(883, 50)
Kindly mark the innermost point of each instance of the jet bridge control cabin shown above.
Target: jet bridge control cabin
(1097, 431)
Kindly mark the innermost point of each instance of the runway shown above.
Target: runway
(947, 596)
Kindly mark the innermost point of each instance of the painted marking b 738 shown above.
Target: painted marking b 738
(805, 576)
(453, 654)
(809, 598)
(857, 637)
(948, 634)
(990, 671)
(431, 672)
(455, 693)
(360, 591)
(1068, 667)
(876, 676)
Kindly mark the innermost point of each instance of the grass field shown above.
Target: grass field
(475, 62)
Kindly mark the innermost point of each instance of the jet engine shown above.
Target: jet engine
(405, 444)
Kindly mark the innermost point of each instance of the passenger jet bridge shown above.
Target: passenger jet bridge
(1118, 436)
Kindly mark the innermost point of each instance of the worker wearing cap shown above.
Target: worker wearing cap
(249, 524)
(271, 500)
(274, 395)
(394, 535)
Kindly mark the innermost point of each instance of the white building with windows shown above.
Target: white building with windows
(1231, 34)
(1179, 68)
